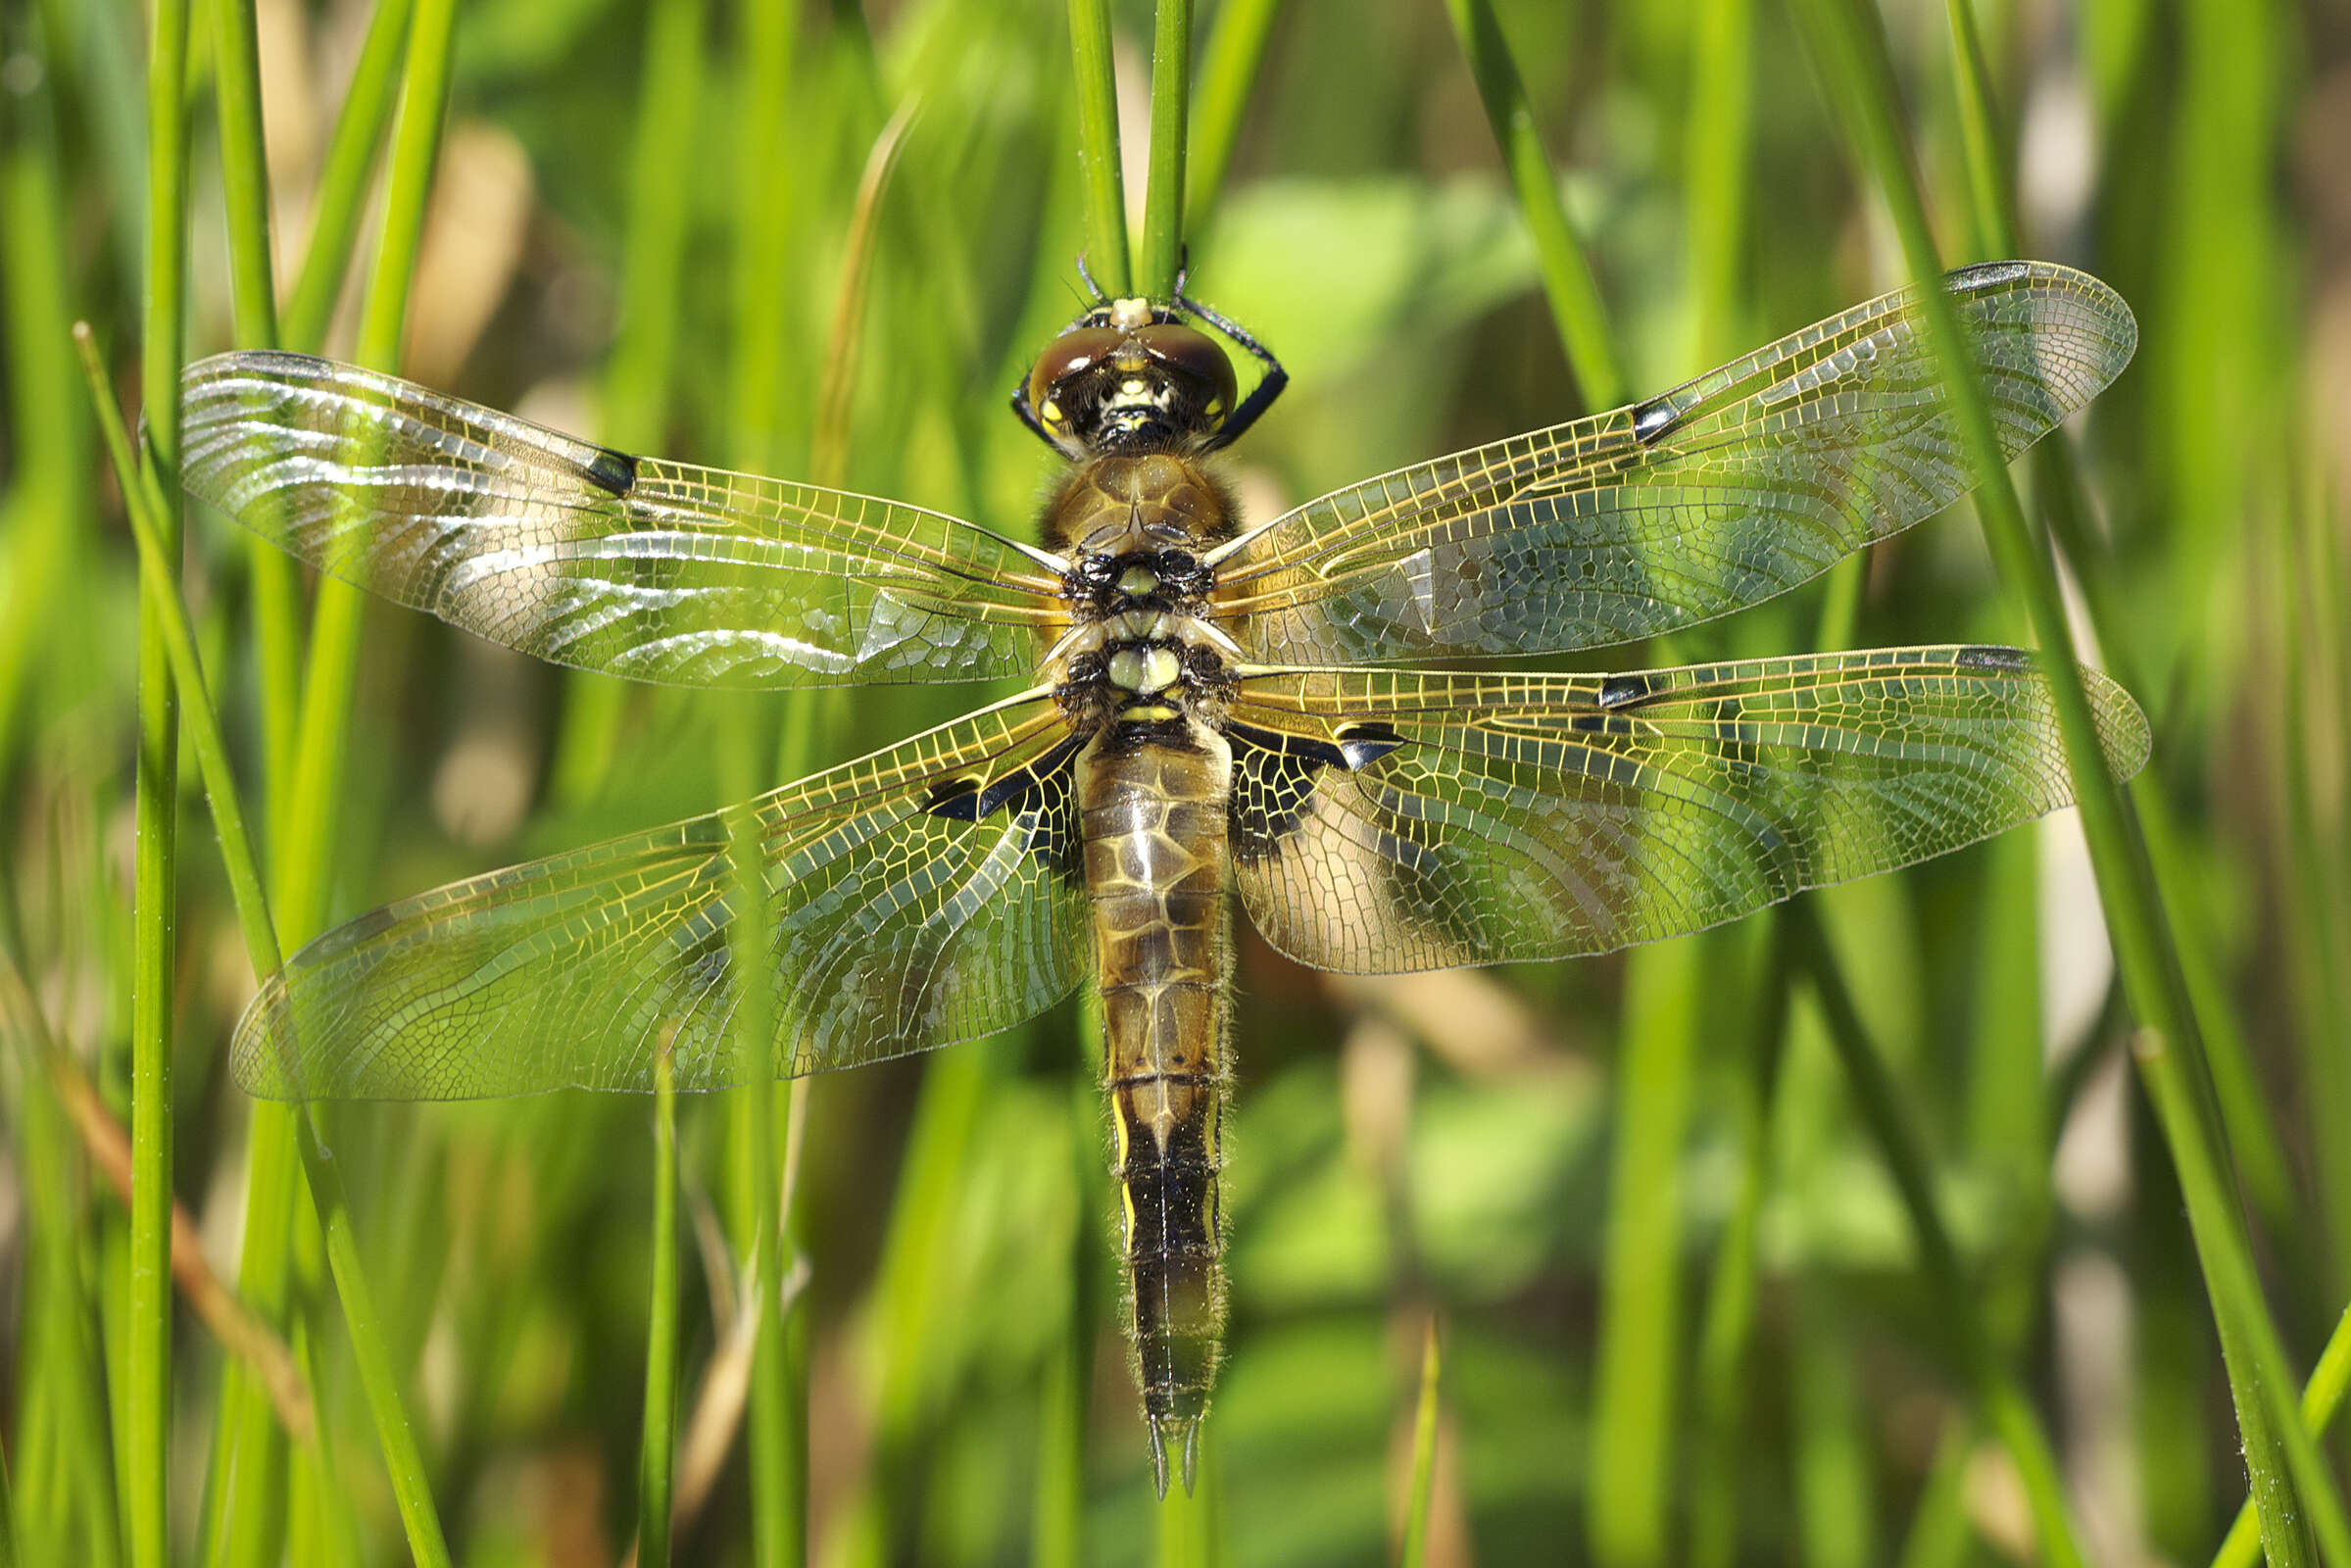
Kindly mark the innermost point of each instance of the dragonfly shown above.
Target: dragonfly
(1210, 708)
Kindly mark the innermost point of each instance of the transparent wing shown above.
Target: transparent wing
(1737, 486)
(921, 896)
(1389, 820)
(574, 552)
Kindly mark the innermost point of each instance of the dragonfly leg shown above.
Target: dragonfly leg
(1262, 395)
(1028, 413)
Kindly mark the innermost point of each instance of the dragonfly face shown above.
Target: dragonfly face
(1128, 379)
(1216, 709)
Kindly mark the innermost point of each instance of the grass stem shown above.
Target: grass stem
(1999, 1398)
(1567, 277)
(1172, 108)
(370, 1346)
(1100, 177)
(1415, 1548)
(147, 1369)
(1851, 48)
(1228, 76)
(656, 1452)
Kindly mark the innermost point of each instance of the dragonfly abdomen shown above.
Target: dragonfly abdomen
(1152, 807)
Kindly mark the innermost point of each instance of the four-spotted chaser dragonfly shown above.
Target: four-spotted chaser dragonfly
(1211, 707)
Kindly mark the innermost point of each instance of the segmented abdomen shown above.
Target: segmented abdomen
(1153, 825)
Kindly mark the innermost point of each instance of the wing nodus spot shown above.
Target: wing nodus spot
(615, 471)
(1622, 691)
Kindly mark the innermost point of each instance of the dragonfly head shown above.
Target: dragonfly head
(1131, 378)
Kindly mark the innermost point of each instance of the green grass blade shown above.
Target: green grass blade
(1187, 1518)
(1228, 75)
(147, 1370)
(1636, 1382)
(1567, 279)
(370, 1345)
(1850, 47)
(778, 1517)
(1988, 158)
(2066, 509)
(247, 1528)
(1415, 1548)
(48, 433)
(2000, 1401)
(2322, 1399)
(1727, 1320)
(342, 179)
(245, 193)
(1058, 1538)
(245, 1502)
(1100, 175)
(1717, 169)
(764, 209)
(1171, 107)
(656, 1452)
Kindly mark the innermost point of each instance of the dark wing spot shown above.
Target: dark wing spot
(615, 471)
(1361, 745)
(1990, 657)
(1987, 274)
(1653, 419)
(1622, 691)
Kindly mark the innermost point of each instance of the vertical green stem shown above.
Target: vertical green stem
(1850, 46)
(2066, 509)
(657, 1454)
(764, 211)
(245, 193)
(1999, 1398)
(1227, 73)
(246, 1513)
(1415, 1548)
(2322, 1399)
(1567, 280)
(1163, 191)
(1099, 173)
(343, 174)
(148, 1355)
(1718, 168)
(245, 1500)
(1060, 1534)
(777, 1516)
(1636, 1394)
(369, 1344)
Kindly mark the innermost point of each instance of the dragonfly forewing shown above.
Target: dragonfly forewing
(590, 558)
(1734, 487)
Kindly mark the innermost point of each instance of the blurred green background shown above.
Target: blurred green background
(1681, 1306)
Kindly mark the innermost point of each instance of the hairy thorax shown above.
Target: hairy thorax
(1138, 657)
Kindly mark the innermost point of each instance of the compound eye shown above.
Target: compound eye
(1064, 356)
(1194, 354)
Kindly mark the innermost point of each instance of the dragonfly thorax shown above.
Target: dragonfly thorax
(1137, 651)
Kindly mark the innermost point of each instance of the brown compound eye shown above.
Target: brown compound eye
(1192, 353)
(1064, 356)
